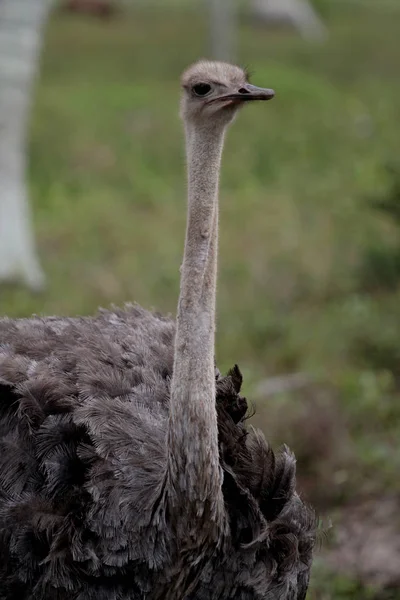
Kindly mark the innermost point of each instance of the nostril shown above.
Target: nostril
(243, 91)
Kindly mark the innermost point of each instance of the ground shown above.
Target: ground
(307, 278)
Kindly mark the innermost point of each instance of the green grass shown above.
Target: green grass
(108, 188)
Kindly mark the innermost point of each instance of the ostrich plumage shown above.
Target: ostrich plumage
(89, 506)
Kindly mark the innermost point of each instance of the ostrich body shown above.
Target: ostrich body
(126, 470)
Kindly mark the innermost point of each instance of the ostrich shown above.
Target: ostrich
(126, 469)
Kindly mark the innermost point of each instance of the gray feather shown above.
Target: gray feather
(83, 502)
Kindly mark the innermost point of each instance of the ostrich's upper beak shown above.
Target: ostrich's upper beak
(246, 93)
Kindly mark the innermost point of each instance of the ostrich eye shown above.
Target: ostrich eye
(201, 89)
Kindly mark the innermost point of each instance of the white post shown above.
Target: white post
(223, 29)
(299, 13)
(21, 26)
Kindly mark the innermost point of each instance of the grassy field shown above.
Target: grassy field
(300, 287)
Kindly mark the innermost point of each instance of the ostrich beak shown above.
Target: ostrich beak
(244, 94)
(252, 92)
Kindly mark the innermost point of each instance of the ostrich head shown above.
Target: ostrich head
(213, 92)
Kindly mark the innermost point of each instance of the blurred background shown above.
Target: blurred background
(92, 212)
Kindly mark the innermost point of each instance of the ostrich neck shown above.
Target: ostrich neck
(194, 471)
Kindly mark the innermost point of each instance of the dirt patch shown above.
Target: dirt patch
(366, 543)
